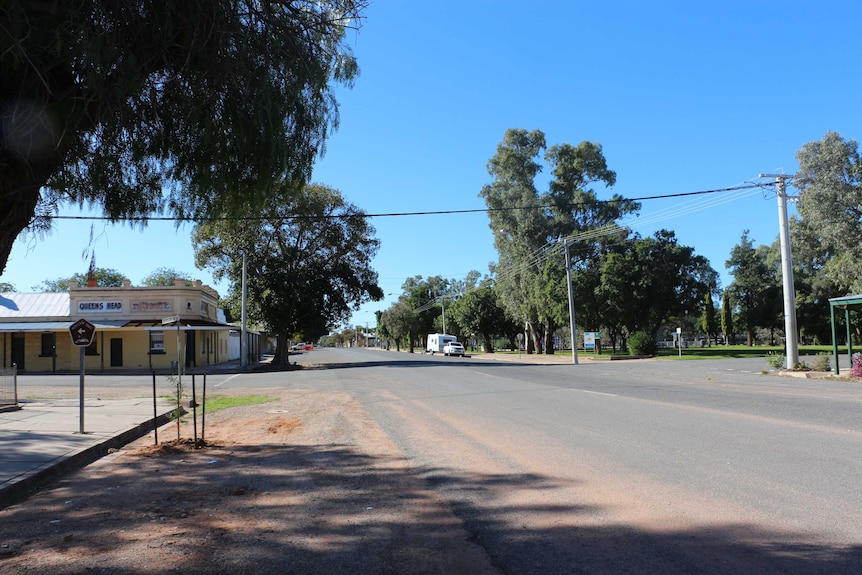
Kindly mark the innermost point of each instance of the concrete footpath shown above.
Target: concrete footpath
(41, 441)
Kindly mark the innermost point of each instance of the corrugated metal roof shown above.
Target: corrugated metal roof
(35, 305)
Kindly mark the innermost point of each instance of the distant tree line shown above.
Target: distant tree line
(624, 283)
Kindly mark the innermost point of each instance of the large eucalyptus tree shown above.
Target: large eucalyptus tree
(531, 227)
(308, 261)
(142, 107)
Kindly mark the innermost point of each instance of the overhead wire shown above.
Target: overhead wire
(401, 214)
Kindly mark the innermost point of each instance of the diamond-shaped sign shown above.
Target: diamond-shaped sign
(82, 332)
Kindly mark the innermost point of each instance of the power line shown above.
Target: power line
(402, 214)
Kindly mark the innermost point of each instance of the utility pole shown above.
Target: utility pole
(792, 347)
(572, 330)
(243, 344)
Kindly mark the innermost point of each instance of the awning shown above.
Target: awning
(193, 325)
(19, 326)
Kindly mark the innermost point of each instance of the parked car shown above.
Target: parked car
(453, 348)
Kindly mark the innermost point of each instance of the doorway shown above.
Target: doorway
(18, 350)
(116, 352)
(190, 349)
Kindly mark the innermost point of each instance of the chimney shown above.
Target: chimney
(91, 273)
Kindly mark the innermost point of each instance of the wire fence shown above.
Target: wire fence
(9, 386)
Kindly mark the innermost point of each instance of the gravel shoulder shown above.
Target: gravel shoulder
(305, 484)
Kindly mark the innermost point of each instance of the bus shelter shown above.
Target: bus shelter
(845, 303)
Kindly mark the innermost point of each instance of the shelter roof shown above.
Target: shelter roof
(846, 301)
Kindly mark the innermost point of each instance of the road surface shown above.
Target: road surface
(611, 467)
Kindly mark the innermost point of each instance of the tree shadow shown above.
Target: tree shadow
(274, 508)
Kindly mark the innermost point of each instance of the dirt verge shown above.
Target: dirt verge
(307, 484)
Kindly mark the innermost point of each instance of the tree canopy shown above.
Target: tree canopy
(480, 313)
(646, 280)
(105, 277)
(308, 261)
(756, 291)
(165, 276)
(192, 108)
(829, 180)
(529, 226)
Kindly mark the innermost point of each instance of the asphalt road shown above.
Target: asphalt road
(641, 466)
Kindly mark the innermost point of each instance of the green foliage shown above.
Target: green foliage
(164, 277)
(829, 180)
(193, 108)
(646, 280)
(223, 402)
(526, 222)
(308, 259)
(708, 323)
(642, 343)
(105, 277)
(822, 362)
(775, 360)
(756, 290)
(737, 351)
(727, 317)
(479, 312)
(428, 296)
(6, 287)
(400, 322)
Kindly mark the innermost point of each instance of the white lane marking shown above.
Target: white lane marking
(227, 380)
(594, 392)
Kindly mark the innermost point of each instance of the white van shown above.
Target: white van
(437, 341)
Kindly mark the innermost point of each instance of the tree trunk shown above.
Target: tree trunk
(549, 336)
(282, 351)
(19, 194)
(487, 344)
(534, 340)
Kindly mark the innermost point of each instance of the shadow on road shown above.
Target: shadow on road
(330, 509)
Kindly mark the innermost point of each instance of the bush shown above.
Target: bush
(856, 370)
(822, 362)
(775, 360)
(642, 343)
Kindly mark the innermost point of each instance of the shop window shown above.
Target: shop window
(157, 342)
(91, 349)
(47, 345)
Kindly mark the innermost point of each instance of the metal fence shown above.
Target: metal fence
(9, 386)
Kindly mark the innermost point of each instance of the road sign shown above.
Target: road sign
(172, 319)
(82, 332)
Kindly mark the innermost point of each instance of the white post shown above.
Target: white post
(243, 344)
(787, 279)
(789, 290)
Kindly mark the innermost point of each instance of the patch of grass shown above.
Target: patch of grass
(224, 402)
(724, 352)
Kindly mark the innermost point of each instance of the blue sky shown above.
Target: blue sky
(683, 97)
